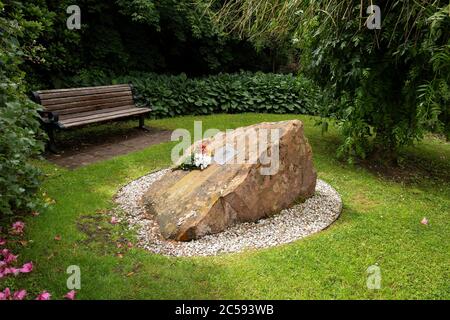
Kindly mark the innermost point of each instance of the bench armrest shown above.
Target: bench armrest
(49, 117)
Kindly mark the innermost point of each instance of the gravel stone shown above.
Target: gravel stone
(291, 224)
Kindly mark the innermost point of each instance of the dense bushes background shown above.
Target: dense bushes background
(19, 127)
(389, 85)
(224, 93)
(121, 36)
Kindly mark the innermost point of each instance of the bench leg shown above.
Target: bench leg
(51, 145)
(142, 124)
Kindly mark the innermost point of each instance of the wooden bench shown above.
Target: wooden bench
(75, 107)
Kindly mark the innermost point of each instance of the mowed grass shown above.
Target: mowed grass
(379, 225)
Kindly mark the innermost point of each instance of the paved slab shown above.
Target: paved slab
(77, 153)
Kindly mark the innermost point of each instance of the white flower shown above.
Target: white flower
(202, 161)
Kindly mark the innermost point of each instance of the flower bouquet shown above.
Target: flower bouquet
(198, 160)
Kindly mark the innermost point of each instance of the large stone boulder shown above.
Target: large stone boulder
(190, 204)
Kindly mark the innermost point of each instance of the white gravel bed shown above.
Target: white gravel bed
(291, 224)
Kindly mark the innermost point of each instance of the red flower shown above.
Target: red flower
(203, 148)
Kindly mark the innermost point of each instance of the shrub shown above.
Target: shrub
(19, 126)
(224, 93)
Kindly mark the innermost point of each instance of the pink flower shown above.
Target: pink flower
(2, 242)
(5, 294)
(13, 271)
(424, 221)
(114, 220)
(9, 258)
(4, 252)
(44, 295)
(70, 295)
(19, 295)
(18, 227)
(27, 267)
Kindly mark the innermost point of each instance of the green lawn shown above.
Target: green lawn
(380, 224)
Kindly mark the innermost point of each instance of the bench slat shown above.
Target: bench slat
(62, 102)
(69, 92)
(74, 112)
(90, 105)
(69, 117)
(104, 117)
(51, 96)
(82, 117)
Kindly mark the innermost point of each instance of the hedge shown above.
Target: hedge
(224, 93)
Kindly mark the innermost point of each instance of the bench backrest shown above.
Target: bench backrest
(76, 100)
